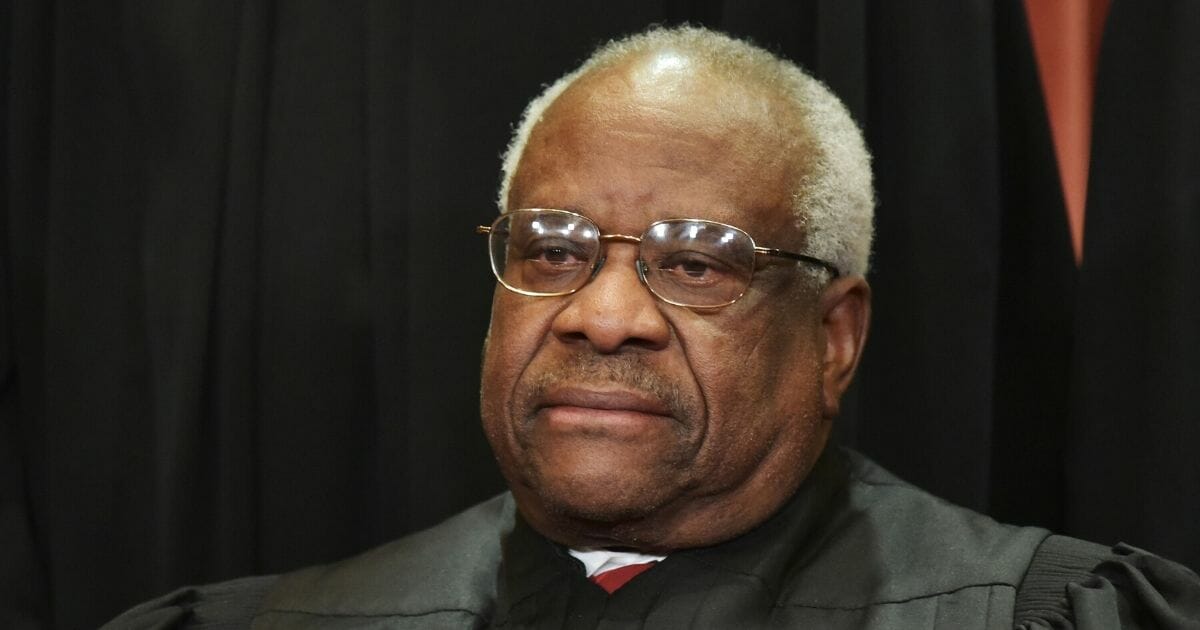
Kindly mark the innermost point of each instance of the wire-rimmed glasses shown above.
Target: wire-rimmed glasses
(687, 262)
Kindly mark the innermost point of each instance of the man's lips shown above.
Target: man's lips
(608, 411)
(604, 400)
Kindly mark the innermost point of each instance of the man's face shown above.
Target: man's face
(618, 419)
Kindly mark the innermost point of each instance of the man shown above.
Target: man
(681, 304)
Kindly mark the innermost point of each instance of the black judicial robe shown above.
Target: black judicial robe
(855, 548)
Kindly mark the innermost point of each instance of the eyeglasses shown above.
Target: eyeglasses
(685, 262)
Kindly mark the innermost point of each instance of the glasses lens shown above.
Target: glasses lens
(543, 252)
(697, 263)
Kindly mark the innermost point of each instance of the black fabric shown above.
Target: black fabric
(243, 303)
(1073, 583)
(1042, 598)
(1136, 367)
(856, 548)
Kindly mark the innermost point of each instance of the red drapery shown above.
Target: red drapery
(1066, 42)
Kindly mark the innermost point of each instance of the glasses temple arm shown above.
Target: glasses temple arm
(833, 271)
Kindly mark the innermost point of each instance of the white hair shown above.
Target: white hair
(833, 200)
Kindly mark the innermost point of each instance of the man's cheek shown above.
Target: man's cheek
(508, 340)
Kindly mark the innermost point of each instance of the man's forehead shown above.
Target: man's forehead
(680, 85)
(699, 120)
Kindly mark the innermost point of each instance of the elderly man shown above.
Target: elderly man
(685, 228)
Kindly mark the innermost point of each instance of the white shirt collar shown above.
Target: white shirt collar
(601, 560)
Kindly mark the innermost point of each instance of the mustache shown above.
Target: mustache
(623, 371)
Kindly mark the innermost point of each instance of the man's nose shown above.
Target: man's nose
(615, 311)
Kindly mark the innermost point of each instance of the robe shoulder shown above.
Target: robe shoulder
(444, 576)
(221, 606)
(1072, 583)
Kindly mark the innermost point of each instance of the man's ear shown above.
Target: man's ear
(845, 309)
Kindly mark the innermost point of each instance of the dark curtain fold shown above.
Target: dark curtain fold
(1134, 407)
(925, 394)
(243, 301)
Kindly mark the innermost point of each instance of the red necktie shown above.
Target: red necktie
(614, 579)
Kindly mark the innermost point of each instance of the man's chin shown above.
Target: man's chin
(594, 503)
(599, 510)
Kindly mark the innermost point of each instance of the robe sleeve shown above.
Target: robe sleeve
(1077, 585)
(225, 606)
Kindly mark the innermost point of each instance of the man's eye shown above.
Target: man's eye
(692, 267)
(556, 255)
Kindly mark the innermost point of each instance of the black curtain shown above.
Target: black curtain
(243, 303)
